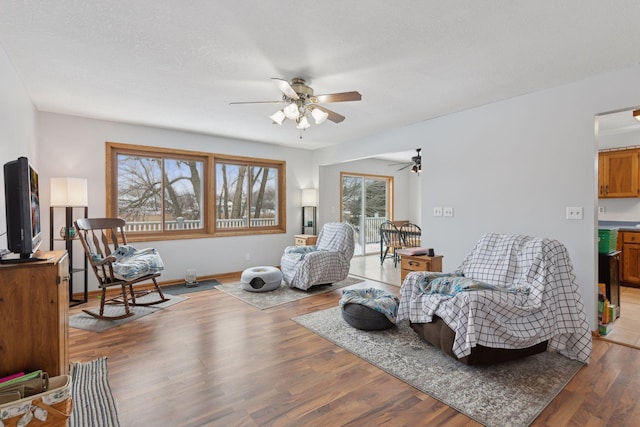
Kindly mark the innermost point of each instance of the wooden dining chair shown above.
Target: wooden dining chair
(390, 240)
(411, 235)
(100, 237)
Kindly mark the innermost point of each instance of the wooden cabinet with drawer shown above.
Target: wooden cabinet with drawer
(305, 239)
(630, 246)
(411, 263)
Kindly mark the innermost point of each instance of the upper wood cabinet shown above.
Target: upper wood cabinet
(618, 173)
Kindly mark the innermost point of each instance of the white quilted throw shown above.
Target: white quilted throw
(542, 301)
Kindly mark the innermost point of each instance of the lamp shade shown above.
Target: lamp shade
(278, 117)
(309, 197)
(66, 191)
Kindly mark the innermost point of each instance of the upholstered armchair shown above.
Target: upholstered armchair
(326, 262)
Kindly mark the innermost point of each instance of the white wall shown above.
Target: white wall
(626, 209)
(512, 167)
(17, 127)
(75, 146)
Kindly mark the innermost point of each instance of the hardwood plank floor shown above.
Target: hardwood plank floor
(213, 360)
(626, 329)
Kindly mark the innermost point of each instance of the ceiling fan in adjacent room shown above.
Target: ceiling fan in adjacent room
(415, 164)
(302, 104)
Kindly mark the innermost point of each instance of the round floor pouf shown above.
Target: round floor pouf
(369, 309)
(261, 279)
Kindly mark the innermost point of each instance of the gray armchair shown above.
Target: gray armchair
(326, 262)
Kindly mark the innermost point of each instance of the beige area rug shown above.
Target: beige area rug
(510, 394)
(283, 294)
(90, 323)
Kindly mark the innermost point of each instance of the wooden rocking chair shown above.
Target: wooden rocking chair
(100, 237)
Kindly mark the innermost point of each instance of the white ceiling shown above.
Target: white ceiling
(179, 64)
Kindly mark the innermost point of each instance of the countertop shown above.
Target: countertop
(621, 225)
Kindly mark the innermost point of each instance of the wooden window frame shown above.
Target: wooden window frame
(113, 149)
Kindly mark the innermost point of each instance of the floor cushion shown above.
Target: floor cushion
(261, 279)
(369, 309)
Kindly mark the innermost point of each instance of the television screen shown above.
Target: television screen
(22, 201)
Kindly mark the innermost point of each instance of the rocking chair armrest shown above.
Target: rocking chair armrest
(102, 261)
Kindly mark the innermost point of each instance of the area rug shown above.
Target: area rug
(507, 394)
(181, 288)
(283, 294)
(90, 323)
(93, 402)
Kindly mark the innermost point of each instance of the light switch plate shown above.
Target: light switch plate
(574, 212)
(437, 211)
(447, 211)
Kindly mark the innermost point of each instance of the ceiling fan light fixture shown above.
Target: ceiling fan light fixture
(291, 111)
(636, 115)
(303, 123)
(416, 169)
(278, 117)
(319, 116)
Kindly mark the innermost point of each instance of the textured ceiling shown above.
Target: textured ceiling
(179, 64)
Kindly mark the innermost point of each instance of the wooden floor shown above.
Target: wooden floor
(626, 329)
(213, 360)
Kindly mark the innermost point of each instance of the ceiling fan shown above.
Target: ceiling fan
(302, 103)
(415, 164)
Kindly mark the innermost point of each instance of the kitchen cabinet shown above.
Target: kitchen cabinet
(618, 173)
(630, 246)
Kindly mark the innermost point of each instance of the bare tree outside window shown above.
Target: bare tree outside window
(237, 206)
(165, 192)
(158, 194)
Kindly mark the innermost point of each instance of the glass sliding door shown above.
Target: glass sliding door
(365, 204)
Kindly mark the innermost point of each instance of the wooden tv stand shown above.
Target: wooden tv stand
(34, 302)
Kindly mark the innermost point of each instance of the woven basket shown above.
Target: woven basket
(50, 408)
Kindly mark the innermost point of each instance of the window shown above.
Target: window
(247, 193)
(167, 194)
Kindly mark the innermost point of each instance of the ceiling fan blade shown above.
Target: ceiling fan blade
(404, 167)
(333, 116)
(339, 97)
(257, 102)
(286, 88)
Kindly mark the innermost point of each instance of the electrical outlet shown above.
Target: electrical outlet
(574, 212)
(247, 256)
(437, 211)
(447, 211)
(601, 209)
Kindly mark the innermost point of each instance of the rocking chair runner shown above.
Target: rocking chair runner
(100, 237)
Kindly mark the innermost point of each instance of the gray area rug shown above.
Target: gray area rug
(90, 323)
(283, 294)
(507, 394)
(93, 402)
(181, 288)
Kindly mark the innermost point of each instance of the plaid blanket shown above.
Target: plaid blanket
(326, 262)
(543, 302)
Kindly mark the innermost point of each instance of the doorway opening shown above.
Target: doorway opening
(365, 203)
(617, 139)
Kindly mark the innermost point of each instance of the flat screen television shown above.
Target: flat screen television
(22, 201)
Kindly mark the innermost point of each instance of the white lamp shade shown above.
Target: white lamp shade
(278, 117)
(66, 191)
(303, 123)
(291, 112)
(309, 197)
(319, 116)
